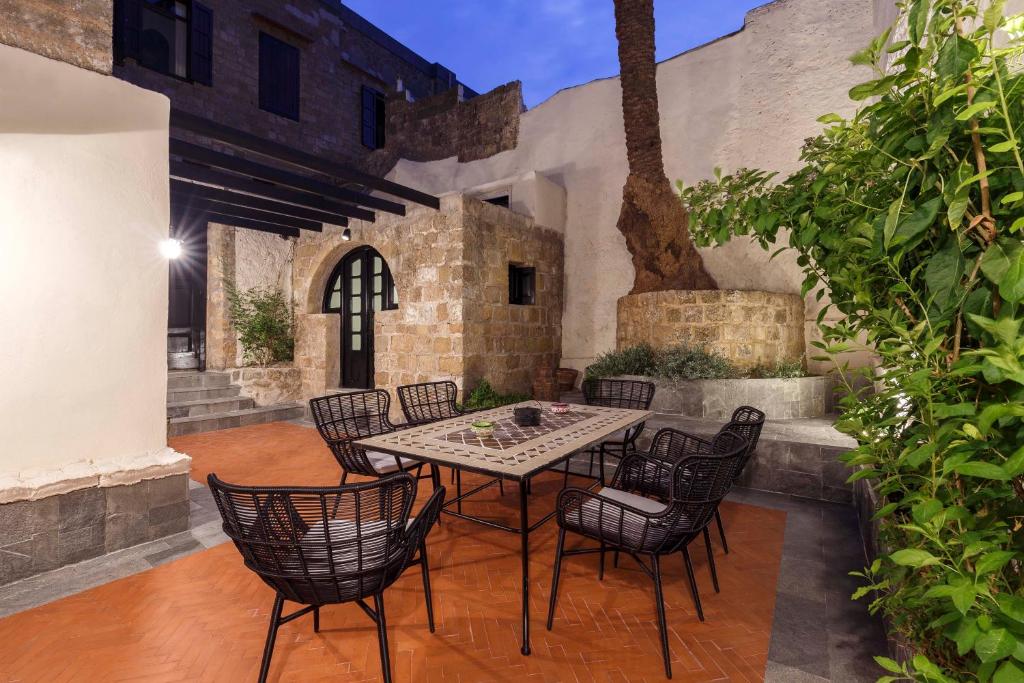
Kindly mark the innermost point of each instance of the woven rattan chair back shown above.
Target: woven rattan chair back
(747, 422)
(319, 546)
(618, 393)
(429, 401)
(341, 419)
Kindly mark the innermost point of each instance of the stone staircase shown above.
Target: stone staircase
(207, 401)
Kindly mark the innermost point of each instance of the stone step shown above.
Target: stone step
(182, 360)
(206, 406)
(197, 380)
(179, 426)
(201, 393)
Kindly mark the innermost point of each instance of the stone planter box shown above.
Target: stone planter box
(780, 399)
(271, 385)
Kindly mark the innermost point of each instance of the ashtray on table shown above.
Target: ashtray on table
(560, 408)
(482, 428)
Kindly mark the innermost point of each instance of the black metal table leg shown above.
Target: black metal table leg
(524, 533)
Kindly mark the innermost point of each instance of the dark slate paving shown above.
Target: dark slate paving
(819, 633)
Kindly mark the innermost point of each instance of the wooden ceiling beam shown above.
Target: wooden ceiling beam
(185, 188)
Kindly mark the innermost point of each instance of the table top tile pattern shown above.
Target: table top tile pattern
(436, 442)
(507, 434)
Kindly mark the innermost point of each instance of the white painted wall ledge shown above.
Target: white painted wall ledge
(39, 483)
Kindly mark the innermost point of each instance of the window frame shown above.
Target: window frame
(179, 22)
(522, 285)
(379, 117)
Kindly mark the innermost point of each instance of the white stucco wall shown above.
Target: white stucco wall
(264, 260)
(747, 100)
(83, 206)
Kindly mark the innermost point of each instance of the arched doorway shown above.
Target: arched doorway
(360, 285)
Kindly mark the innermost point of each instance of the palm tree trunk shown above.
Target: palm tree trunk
(652, 219)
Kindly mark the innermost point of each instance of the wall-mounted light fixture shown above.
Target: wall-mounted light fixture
(346, 234)
(170, 248)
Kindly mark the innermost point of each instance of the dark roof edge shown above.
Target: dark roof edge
(361, 24)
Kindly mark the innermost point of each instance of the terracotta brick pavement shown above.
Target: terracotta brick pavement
(204, 618)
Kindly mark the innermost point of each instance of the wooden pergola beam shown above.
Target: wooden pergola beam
(184, 170)
(234, 221)
(235, 164)
(184, 188)
(268, 148)
(192, 203)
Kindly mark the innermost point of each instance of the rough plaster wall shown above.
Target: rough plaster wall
(749, 99)
(83, 207)
(262, 260)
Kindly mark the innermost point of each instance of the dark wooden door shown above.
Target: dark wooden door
(360, 286)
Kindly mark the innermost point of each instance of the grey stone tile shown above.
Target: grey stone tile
(210, 534)
(805, 577)
(22, 519)
(181, 545)
(125, 530)
(16, 561)
(167, 490)
(780, 673)
(796, 483)
(82, 508)
(804, 458)
(798, 639)
(44, 550)
(128, 499)
(75, 545)
(168, 512)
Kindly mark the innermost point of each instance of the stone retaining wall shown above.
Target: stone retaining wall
(748, 328)
(271, 385)
(780, 399)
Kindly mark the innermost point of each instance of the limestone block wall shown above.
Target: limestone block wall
(453, 319)
(271, 385)
(748, 328)
(505, 343)
(78, 33)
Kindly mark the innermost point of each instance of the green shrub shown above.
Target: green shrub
(910, 214)
(783, 369)
(484, 396)
(676, 362)
(635, 360)
(263, 319)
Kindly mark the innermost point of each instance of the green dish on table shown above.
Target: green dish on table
(482, 428)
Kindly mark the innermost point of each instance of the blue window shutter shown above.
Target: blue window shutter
(202, 44)
(369, 117)
(127, 28)
(279, 77)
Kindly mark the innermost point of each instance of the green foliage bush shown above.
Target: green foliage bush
(784, 369)
(484, 396)
(676, 362)
(263, 319)
(910, 213)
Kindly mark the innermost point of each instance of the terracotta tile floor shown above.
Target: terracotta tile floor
(204, 618)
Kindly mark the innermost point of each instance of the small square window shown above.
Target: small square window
(521, 285)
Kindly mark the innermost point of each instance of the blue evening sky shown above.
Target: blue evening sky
(547, 44)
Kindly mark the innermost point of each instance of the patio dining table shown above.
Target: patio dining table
(511, 452)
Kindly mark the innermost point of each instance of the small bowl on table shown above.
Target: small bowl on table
(560, 408)
(482, 428)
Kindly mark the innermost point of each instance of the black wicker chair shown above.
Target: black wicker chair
(745, 421)
(325, 546)
(615, 393)
(342, 419)
(432, 402)
(622, 521)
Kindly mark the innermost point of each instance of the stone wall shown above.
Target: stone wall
(78, 33)
(715, 399)
(271, 385)
(221, 338)
(339, 54)
(444, 126)
(44, 534)
(506, 343)
(748, 328)
(453, 319)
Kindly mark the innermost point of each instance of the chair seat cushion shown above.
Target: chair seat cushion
(369, 546)
(385, 463)
(632, 500)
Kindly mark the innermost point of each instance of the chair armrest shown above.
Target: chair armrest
(576, 497)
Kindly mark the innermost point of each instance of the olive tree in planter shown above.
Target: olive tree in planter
(910, 213)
